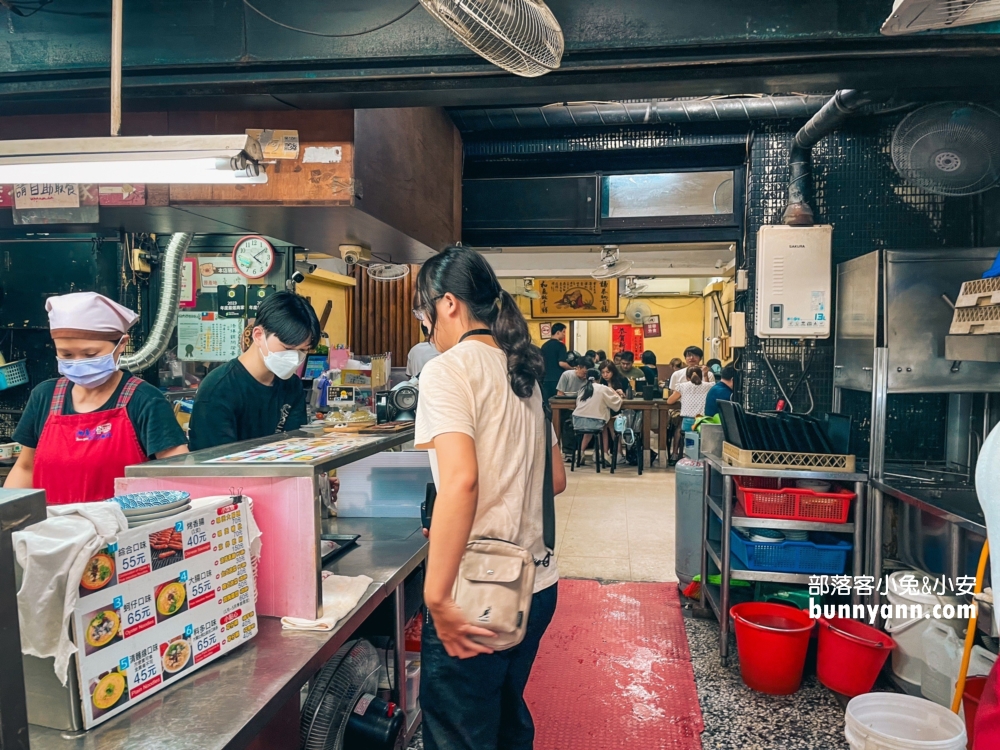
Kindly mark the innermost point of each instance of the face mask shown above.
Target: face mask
(89, 373)
(283, 364)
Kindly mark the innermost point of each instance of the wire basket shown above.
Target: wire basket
(760, 459)
(13, 374)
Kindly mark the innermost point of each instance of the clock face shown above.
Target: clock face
(253, 256)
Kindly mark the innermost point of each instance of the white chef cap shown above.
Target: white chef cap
(88, 315)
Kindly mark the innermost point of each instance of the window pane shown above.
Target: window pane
(666, 194)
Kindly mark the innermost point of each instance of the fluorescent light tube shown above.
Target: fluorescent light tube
(218, 159)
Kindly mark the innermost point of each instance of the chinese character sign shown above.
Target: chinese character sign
(46, 195)
(575, 299)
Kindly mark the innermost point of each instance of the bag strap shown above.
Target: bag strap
(548, 494)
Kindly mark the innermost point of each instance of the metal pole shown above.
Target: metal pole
(727, 525)
(860, 510)
(880, 396)
(706, 484)
(116, 67)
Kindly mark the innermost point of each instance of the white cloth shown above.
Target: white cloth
(570, 383)
(598, 406)
(693, 397)
(53, 554)
(681, 376)
(89, 311)
(419, 356)
(341, 594)
(988, 489)
(467, 390)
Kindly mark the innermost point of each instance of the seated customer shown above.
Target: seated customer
(692, 356)
(594, 404)
(258, 394)
(721, 391)
(628, 368)
(715, 367)
(571, 381)
(648, 368)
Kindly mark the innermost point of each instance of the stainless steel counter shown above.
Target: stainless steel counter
(225, 705)
(197, 464)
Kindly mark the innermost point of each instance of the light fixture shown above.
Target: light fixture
(215, 159)
(202, 159)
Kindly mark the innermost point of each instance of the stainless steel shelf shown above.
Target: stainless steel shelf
(781, 523)
(715, 552)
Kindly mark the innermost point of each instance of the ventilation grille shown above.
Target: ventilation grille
(909, 16)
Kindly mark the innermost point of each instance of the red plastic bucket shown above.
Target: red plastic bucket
(970, 699)
(772, 640)
(850, 655)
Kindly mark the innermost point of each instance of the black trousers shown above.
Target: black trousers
(478, 703)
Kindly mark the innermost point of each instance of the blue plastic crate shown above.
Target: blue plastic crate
(824, 554)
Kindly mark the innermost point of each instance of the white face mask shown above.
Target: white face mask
(283, 364)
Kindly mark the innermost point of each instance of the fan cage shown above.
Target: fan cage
(521, 36)
(387, 271)
(922, 15)
(949, 148)
(349, 674)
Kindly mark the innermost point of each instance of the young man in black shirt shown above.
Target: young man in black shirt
(258, 393)
(555, 355)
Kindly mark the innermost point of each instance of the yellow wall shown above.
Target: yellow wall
(321, 286)
(682, 324)
(727, 291)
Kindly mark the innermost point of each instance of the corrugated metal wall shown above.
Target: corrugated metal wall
(382, 318)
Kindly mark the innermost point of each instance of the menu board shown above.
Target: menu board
(295, 450)
(208, 337)
(164, 600)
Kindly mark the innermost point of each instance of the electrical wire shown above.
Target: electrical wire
(28, 8)
(263, 15)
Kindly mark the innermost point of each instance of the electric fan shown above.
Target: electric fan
(387, 271)
(949, 148)
(637, 312)
(633, 288)
(403, 403)
(611, 265)
(342, 712)
(528, 289)
(520, 36)
(909, 16)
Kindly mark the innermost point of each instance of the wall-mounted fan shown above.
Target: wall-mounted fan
(528, 289)
(612, 264)
(403, 402)
(637, 312)
(949, 148)
(342, 711)
(633, 288)
(521, 36)
(387, 271)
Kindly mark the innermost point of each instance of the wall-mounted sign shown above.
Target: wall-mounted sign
(208, 337)
(122, 195)
(257, 294)
(627, 338)
(545, 330)
(575, 299)
(232, 301)
(651, 328)
(189, 283)
(46, 195)
(216, 271)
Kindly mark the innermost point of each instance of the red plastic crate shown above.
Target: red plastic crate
(763, 497)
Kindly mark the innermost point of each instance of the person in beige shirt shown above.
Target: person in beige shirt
(480, 417)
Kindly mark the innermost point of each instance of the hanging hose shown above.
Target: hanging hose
(166, 313)
(970, 634)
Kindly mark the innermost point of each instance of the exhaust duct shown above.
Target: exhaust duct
(166, 313)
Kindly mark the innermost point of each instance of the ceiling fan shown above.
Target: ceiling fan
(611, 266)
(528, 289)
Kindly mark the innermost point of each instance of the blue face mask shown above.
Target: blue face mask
(90, 373)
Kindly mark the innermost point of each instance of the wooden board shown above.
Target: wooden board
(387, 429)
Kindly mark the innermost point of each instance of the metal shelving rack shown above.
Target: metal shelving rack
(725, 509)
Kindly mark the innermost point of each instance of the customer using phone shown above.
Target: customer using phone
(480, 417)
(594, 404)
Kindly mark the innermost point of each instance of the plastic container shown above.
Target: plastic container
(824, 554)
(970, 702)
(689, 504)
(943, 651)
(891, 721)
(782, 593)
(850, 655)
(764, 497)
(13, 373)
(908, 656)
(772, 640)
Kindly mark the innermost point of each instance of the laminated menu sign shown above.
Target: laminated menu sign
(165, 599)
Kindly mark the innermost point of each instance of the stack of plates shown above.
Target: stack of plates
(141, 508)
(796, 535)
(765, 536)
(815, 485)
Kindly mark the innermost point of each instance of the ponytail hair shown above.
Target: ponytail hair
(588, 390)
(694, 375)
(466, 274)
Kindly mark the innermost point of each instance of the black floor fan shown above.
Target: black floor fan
(342, 711)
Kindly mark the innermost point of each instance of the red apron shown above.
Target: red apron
(79, 456)
(988, 714)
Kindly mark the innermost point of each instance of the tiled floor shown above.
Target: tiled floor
(616, 527)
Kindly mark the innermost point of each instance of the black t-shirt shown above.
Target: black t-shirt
(553, 352)
(650, 373)
(232, 405)
(151, 415)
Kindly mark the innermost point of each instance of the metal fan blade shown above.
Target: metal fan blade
(613, 270)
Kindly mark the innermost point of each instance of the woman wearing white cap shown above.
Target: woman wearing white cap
(80, 431)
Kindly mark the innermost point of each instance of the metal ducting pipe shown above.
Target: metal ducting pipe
(166, 313)
(831, 116)
(591, 114)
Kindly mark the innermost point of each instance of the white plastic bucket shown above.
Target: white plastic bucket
(890, 721)
(907, 632)
(943, 651)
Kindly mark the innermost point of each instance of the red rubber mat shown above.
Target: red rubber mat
(614, 671)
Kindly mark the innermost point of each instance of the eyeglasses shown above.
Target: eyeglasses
(420, 313)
